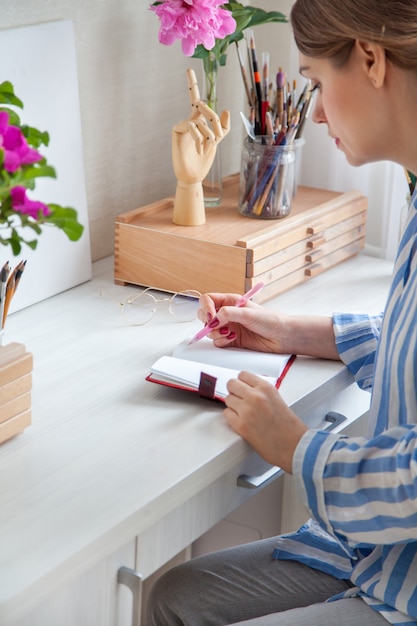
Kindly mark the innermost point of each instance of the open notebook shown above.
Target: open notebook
(205, 369)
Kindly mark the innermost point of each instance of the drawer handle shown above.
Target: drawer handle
(132, 579)
(335, 419)
(313, 270)
(316, 241)
(253, 482)
(313, 230)
(314, 255)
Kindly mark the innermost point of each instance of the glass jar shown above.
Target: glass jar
(267, 177)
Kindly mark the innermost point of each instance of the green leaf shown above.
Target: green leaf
(36, 170)
(35, 137)
(14, 119)
(8, 96)
(200, 52)
(222, 59)
(28, 223)
(16, 247)
(66, 219)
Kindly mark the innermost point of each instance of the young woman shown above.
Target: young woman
(356, 563)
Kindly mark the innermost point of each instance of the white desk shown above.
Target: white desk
(119, 471)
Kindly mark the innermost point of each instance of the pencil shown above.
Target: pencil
(7, 298)
(18, 274)
(11, 286)
(4, 274)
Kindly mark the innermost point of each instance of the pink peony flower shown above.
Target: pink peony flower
(17, 152)
(194, 22)
(22, 204)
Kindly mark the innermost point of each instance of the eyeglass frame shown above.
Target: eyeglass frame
(130, 298)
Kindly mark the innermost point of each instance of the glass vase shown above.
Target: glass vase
(212, 184)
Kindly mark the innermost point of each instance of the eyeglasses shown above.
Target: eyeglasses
(138, 309)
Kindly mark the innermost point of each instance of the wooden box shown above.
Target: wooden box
(15, 390)
(230, 253)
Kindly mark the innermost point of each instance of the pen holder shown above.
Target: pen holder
(267, 178)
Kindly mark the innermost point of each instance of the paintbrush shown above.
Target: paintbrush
(279, 106)
(244, 76)
(257, 82)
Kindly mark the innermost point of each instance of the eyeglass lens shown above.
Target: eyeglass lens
(184, 305)
(140, 309)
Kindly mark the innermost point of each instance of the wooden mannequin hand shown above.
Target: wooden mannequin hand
(194, 141)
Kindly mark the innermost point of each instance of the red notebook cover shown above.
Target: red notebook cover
(207, 382)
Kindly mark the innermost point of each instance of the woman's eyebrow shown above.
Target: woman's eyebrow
(303, 68)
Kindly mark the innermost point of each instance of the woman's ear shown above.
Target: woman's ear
(374, 61)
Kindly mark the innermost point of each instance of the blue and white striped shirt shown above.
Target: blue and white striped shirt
(362, 492)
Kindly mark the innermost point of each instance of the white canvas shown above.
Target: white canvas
(40, 61)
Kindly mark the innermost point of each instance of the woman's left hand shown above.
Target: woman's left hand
(256, 411)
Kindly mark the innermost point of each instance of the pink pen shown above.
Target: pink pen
(240, 302)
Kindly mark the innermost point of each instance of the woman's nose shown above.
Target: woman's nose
(318, 115)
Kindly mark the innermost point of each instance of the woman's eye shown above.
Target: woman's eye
(315, 87)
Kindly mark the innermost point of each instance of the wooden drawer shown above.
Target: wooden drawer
(232, 252)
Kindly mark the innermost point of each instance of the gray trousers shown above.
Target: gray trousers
(244, 585)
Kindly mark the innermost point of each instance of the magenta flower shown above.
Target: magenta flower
(194, 22)
(22, 204)
(16, 150)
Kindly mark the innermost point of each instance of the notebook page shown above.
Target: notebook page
(187, 373)
(261, 363)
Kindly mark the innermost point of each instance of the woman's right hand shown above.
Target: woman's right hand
(251, 326)
(256, 328)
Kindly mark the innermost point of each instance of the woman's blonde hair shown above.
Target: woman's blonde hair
(329, 28)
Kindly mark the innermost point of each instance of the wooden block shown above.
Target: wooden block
(9, 353)
(15, 388)
(16, 368)
(14, 406)
(15, 425)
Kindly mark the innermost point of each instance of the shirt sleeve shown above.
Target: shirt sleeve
(356, 341)
(357, 489)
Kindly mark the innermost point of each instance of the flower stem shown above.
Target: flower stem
(210, 65)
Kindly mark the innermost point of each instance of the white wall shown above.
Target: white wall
(133, 90)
